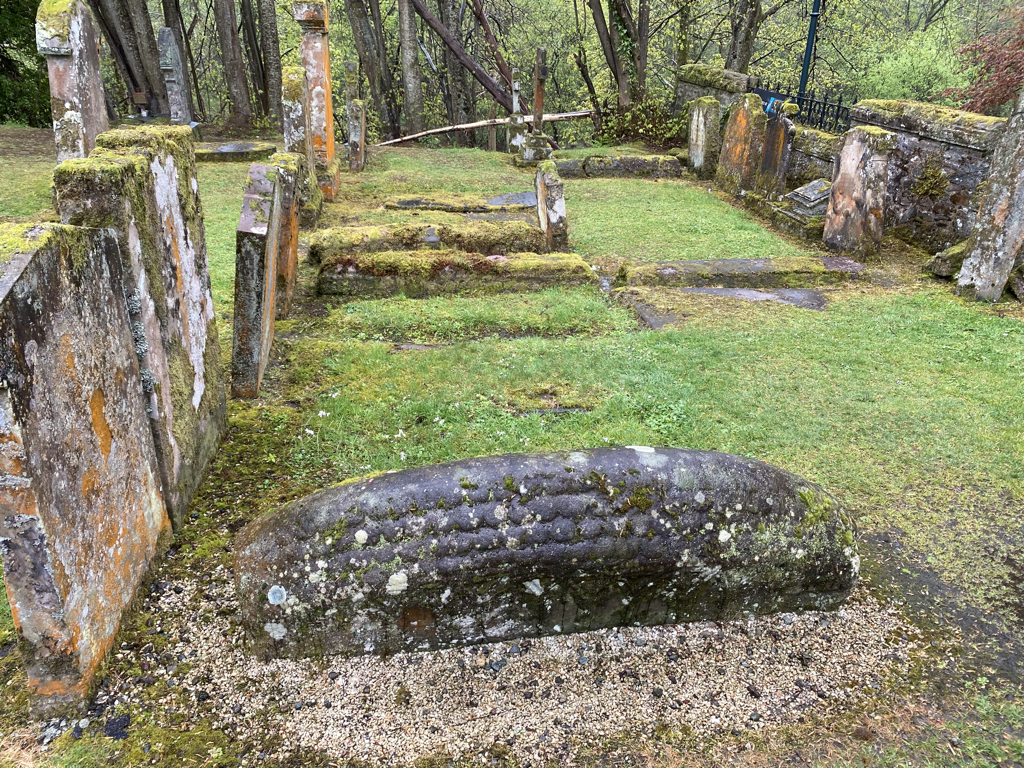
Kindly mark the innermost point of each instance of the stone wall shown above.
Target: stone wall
(814, 156)
(141, 183)
(938, 167)
(699, 80)
(81, 507)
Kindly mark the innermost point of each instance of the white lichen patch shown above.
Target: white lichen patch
(276, 631)
(397, 583)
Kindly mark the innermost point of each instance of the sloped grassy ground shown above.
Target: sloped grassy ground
(900, 399)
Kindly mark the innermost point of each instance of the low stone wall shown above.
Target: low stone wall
(938, 167)
(699, 80)
(814, 156)
(491, 237)
(519, 546)
(81, 505)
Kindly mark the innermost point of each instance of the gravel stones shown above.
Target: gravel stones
(505, 547)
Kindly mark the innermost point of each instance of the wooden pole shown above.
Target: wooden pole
(549, 118)
(540, 74)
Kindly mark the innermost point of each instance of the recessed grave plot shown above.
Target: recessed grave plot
(656, 316)
(526, 545)
(788, 272)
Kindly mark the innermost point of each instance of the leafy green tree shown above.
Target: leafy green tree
(24, 90)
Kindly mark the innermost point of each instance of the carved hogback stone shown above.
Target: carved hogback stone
(526, 545)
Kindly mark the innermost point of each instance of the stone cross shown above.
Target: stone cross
(174, 77)
(66, 36)
(516, 125)
(316, 58)
(540, 74)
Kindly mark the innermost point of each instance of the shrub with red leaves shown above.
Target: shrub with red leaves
(1000, 61)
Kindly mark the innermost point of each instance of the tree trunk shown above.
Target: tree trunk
(173, 20)
(453, 71)
(610, 48)
(745, 18)
(463, 58)
(581, 63)
(254, 53)
(412, 85)
(271, 45)
(136, 55)
(142, 25)
(240, 116)
(643, 32)
(621, 74)
(372, 63)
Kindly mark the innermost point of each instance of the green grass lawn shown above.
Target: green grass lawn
(220, 190)
(27, 158)
(616, 220)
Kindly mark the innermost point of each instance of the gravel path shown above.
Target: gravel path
(538, 700)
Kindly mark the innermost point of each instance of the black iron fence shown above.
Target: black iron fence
(829, 112)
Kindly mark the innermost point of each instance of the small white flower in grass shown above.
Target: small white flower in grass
(322, 414)
(400, 433)
(335, 394)
(310, 431)
(402, 456)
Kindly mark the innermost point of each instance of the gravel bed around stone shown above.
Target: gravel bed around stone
(537, 700)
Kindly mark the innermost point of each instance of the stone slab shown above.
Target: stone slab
(510, 201)
(141, 182)
(314, 51)
(855, 220)
(67, 36)
(705, 137)
(81, 510)
(297, 129)
(740, 157)
(234, 151)
(514, 546)
(420, 274)
(788, 272)
(175, 77)
(775, 154)
(256, 248)
(488, 237)
(291, 171)
(930, 121)
(644, 166)
(700, 80)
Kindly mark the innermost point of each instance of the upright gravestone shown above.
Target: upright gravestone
(705, 135)
(174, 78)
(551, 206)
(291, 168)
(295, 98)
(256, 247)
(66, 36)
(740, 158)
(856, 208)
(516, 123)
(778, 144)
(997, 241)
(356, 111)
(316, 58)
(141, 183)
(81, 507)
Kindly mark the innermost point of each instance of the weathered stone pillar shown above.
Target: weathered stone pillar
(516, 125)
(997, 241)
(778, 144)
(143, 185)
(705, 136)
(295, 98)
(81, 509)
(175, 77)
(257, 241)
(356, 111)
(291, 168)
(66, 36)
(316, 58)
(856, 207)
(740, 158)
(551, 206)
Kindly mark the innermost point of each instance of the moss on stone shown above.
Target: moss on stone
(933, 113)
(932, 181)
(292, 79)
(710, 76)
(53, 19)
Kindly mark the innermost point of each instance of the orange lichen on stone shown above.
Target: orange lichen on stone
(99, 422)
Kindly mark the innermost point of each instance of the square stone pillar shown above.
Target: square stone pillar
(356, 112)
(81, 508)
(66, 36)
(291, 169)
(175, 78)
(705, 136)
(856, 208)
(316, 58)
(551, 206)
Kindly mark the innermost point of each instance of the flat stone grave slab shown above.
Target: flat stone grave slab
(521, 545)
(233, 152)
(655, 318)
(509, 201)
(786, 272)
(420, 274)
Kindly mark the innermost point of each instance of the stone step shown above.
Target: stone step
(509, 201)
(490, 237)
(426, 273)
(784, 272)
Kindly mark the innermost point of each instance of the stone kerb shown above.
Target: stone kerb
(740, 158)
(705, 136)
(521, 545)
(856, 209)
(699, 80)
(297, 129)
(141, 182)
(940, 162)
(256, 247)
(291, 169)
(66, 36)
(81, 509)
(175, 77)
(996, 246)
(312, 17)
(551, 206)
